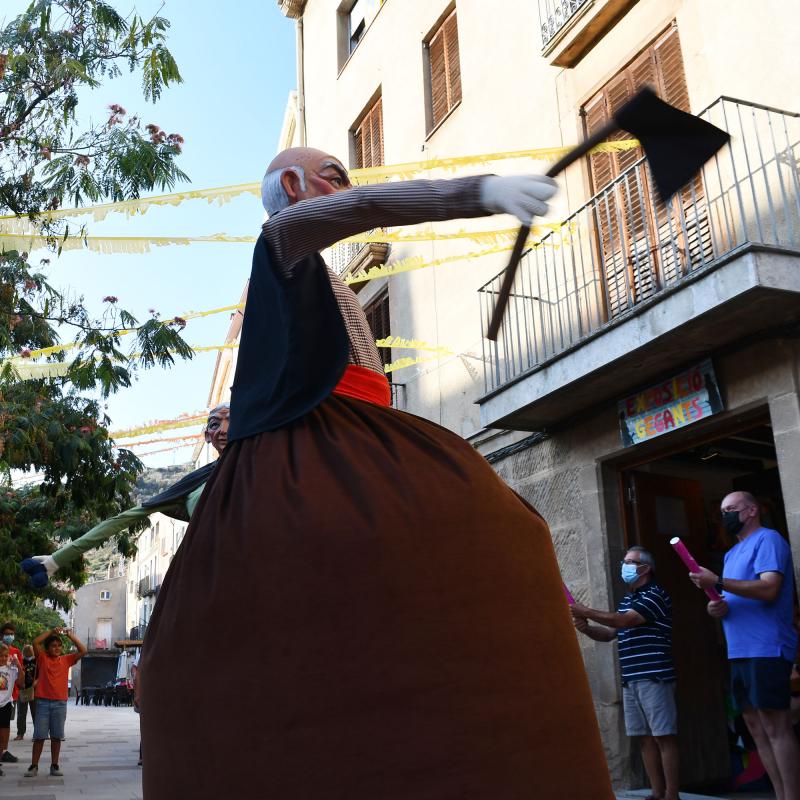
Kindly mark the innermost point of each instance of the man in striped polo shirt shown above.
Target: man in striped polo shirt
(642, 626)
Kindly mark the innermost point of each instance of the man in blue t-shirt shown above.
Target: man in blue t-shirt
(642, 627)
(757, 585)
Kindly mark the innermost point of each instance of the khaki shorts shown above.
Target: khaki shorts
(650, 708)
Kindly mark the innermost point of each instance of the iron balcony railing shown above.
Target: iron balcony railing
(554, 15)
(358, 255)
(137, 631)
(149, 585)
(624, 246)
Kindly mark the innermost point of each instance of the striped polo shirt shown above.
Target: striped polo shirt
(645, 651)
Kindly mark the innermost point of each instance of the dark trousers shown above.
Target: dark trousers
(22, 713)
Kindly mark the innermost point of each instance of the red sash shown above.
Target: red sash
(364, 384)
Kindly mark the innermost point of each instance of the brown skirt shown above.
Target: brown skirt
(362, 610)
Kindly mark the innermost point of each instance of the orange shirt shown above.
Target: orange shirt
(53, 675)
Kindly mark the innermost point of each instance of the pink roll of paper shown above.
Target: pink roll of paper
(570, 598)
(688, 559)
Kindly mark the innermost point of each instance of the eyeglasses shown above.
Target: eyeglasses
(627, 561)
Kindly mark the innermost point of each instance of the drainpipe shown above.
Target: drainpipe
(301, 91)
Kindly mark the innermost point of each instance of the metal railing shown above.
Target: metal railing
(344, 253)
(624, 246)
(148, 585)
(137, 631)
(554, 15)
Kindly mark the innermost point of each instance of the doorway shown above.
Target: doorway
(678, 494)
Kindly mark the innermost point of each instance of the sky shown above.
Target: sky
(237, 61)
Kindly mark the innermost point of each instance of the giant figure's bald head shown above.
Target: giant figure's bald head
(300, 173)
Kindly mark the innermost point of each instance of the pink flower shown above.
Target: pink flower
(25, 353)
(110, 299)
(179, 321)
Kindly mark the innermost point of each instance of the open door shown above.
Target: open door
(663, 507)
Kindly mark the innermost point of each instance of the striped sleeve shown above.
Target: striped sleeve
(312, 225)
(651, 604)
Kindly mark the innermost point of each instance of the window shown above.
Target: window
(368, 137)
(105, 595)
(361, 14)
(444, 71)
(634, 228)
(378, 318)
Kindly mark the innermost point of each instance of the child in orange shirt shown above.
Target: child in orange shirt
(51, 694)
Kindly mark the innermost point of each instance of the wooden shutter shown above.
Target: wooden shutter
(368, 138)
(445, 68)
(438, 78)
(646, 236)
(603, 170)
(377, 314)
(453, 64)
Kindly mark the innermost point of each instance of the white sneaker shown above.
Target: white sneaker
(32, 771)
(55, 772)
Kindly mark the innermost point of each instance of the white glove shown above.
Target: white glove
(49, 564)
(521, 195)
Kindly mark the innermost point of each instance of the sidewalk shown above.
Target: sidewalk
(98, 759)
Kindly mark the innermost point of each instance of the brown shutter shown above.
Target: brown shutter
(377, 314)
(438, 77)
(453, 64)
(368, 138)
(377, 134)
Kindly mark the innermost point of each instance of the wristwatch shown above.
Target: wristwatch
(720, 585)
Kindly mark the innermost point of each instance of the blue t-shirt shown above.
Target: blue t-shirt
(754, 628)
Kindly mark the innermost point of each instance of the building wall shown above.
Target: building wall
(157, 546)
(89, 609)
(517, 102)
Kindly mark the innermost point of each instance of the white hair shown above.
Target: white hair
(273, 195)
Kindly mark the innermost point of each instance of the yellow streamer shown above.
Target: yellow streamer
(417, 262)
(412, 344)
(224, 194)
(162, 425)
(402, 363)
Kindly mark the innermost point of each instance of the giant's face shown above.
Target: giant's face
(217, 428)
(325, 175)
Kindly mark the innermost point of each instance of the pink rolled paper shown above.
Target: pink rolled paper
(688, 559)
(570, 598)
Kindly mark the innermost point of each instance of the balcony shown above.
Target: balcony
(570, 28)
(630, 287)
(350, 258)
(137, 631)
(149, 585)
(93, 643)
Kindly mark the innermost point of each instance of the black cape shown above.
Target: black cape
(294, 345)
(175, 496)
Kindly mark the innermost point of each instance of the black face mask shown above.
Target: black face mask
(731, 522)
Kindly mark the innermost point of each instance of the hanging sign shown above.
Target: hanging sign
(675, 403)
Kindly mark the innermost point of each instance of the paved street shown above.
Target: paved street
(98, 759)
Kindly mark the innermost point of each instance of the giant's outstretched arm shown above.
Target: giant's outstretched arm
(314, 224)
(91, 539)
